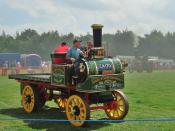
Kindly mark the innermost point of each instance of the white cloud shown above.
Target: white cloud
(35, 8)
(141, 16)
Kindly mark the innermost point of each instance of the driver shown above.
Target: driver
(75, 54)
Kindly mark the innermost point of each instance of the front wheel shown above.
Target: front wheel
(77, 110)
(118, 108)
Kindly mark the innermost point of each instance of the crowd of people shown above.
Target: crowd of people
(14, 70)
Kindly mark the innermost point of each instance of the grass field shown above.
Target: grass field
(149, 95)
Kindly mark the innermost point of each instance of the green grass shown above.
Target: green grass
(149, 95)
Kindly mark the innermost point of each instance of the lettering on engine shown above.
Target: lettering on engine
(105, 66)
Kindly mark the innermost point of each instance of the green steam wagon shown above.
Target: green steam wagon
(95, 85)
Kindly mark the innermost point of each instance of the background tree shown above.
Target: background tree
(123, 42)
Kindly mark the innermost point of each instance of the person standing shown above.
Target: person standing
(18, 67)
(5, 68)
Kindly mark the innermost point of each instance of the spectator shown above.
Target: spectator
(18, 67)
(5, 68)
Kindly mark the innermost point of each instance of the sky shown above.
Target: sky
(140, 16)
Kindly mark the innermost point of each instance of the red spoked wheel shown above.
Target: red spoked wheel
(118, 108)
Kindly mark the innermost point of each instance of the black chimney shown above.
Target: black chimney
(97, 34)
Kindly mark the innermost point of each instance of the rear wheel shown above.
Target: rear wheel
(77, 109)
(118, 108)
(33, 99)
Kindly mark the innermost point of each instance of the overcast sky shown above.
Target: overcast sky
(76, 16)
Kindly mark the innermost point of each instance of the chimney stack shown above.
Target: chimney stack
(97, 34)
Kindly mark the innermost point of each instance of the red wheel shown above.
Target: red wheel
(118, 108)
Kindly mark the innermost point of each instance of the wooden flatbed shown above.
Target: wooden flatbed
(33, 77)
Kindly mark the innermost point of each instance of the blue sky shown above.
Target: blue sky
(76, 16)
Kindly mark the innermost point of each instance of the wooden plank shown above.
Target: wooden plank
(33, 77)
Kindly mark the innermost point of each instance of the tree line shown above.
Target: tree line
(123, 42)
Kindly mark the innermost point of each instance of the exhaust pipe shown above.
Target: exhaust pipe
(97, 34)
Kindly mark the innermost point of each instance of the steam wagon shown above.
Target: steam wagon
(95, 85)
